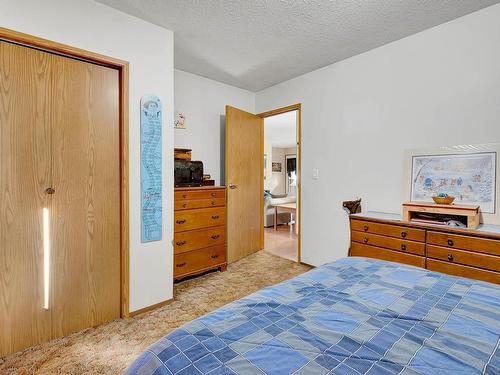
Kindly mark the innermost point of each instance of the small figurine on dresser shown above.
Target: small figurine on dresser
(352, 207)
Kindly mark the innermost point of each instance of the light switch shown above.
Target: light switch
(316, 173)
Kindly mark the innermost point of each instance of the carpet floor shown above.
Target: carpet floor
(111, 347)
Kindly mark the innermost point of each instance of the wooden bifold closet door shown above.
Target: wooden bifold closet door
(59, 196)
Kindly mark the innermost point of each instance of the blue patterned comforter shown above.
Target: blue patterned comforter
(352, 316)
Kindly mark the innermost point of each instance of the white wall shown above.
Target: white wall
(203, 101)
(268, 181)
(438, 87)
(149, 49)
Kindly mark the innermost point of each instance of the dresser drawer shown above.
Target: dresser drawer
(481, 245)
(467, 258)
(362, 250)
(199, 194)
(198, 260)
(197, 239)
(392, 243)
(198, 203)
(200, 218)
(389, 230)
(464, 271)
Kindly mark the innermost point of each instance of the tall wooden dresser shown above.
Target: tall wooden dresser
(199, 230)
(462, 252)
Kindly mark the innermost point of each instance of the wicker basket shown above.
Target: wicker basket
(443, 200)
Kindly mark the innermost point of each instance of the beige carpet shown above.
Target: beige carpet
(110, 348)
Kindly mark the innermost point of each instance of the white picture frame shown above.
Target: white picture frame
(452, 156)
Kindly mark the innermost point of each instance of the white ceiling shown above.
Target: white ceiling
(254, 44)
(280, 130)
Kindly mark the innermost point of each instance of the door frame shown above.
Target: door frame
(123, 69)
(293, 107)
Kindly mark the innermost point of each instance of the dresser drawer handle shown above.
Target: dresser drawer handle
(181, 221)
(365, 228)
(365, 240)
(180, 243)
(450, 257)
(184, 205)
(213, 194)
(215, 236)
(180, 264)
(214, 256)
(184, 195)
(404, 234)
(213, 203)
(450, 243)
(215, 217)
(403, 247)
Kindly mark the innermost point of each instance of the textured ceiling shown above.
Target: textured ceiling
(280, 130)
(254, 44)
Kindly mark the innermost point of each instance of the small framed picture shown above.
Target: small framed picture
(180, 120)
(276, 167)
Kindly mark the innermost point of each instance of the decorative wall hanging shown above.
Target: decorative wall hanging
(469, 173)
(151, 169)
(180, 120)
(276, 167)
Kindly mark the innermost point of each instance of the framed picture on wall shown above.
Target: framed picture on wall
(276, 167)
(470, 178)
(467, 172)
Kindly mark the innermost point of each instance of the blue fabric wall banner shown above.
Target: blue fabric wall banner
(151, 169)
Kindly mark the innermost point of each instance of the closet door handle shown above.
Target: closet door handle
(50, 190)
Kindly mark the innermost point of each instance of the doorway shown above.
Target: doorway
(244, 179)
(281, 182)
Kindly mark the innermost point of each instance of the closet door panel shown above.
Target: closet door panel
(86, 202)
(24, 176)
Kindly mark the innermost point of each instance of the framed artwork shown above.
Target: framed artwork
(276, 167)
(467, 172)
(180, 120)
(470, 178)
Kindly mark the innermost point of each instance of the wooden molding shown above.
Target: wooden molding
(150, 308)
(278, 111)
(123, 68)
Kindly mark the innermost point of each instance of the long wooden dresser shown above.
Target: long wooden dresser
(462, 252)
(199, 230)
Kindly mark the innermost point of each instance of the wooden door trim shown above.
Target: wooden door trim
(123, 69)
(289, 108)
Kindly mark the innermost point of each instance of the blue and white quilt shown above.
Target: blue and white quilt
(352, 316)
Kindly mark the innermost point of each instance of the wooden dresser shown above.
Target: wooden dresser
(199, 230)
(461, 252)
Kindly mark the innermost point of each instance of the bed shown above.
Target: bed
(352, 316)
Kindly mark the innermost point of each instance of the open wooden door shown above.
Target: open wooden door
(244, 165)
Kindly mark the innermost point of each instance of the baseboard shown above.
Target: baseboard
(150, 308)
